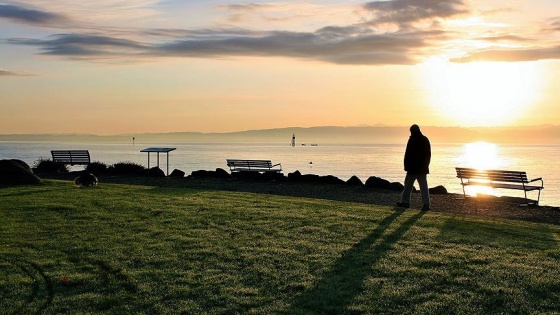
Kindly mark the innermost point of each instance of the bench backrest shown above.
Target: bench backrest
(71, 156)
(492, 175)
(249, 164)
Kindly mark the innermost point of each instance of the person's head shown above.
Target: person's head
(415, 129)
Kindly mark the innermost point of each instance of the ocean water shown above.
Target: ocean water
(342, 161)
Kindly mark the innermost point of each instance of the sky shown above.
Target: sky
(111, 66)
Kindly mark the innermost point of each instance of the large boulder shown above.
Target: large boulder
(330, 179)
(438, 190)
(16, 172)
(354, 181)
(273, 176)
(295, 176)
(176, 173)
(378, 183)
(396, 186)
(156, 172)
(221, 173)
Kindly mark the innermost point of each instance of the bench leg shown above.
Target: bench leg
(463, 186)
(527, 199)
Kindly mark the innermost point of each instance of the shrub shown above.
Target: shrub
(127, 168)
(48, 166)
(97, 168)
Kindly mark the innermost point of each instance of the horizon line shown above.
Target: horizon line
(269, 129)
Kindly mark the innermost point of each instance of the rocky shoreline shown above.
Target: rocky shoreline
(375, 190)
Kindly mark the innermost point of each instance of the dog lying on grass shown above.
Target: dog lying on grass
(86, 180)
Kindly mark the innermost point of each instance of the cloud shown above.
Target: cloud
(323, 46)
(401, 32)
(359, 43)
(246, 7)
(556, 24)
(406, 12)
(512, 55)
(29, 16)
(83, 45)
(98, 11)
(12, 73)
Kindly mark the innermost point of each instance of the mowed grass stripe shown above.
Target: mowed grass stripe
(145, 249)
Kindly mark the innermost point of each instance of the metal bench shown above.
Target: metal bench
(71, 157)
(499, 179)
(261, 166)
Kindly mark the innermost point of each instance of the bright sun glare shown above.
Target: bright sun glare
(482, 93)
(481, 155)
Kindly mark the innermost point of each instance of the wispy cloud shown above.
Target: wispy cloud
(365, 49)
(278, 12)
(404, 13)
(28, 15)
(513, 55)
(555, 25)
(12, 73)
(358, 43)
(520, 48)
(382, 32)
(100, 11)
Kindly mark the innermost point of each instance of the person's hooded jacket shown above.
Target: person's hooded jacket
(418, 152)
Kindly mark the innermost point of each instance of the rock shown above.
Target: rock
(438, 190)
(396, 186)
(297, 177)
(377, 182)
(156, 172)
(294, 177)
(330, 179)
(309, 178)
(247, 175)
(355, 181)
(273, 176)
(87, 179)
(218, 173)
(17, 172)
(202, 174)
(221, 173)
(177, 174)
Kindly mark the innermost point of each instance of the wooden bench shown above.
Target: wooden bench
(71, 157)
(260, 166)
(499, 179)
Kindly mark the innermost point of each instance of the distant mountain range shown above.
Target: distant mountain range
(545, 134)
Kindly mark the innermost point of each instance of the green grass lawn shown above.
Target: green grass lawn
(165, 250)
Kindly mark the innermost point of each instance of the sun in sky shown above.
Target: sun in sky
(483, 93)
(116, 66)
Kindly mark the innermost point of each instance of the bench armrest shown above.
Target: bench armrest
(536, 179)
(279, 164)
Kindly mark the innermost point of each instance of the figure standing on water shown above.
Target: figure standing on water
(416, 164)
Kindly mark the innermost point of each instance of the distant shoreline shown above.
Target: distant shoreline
(546, 134)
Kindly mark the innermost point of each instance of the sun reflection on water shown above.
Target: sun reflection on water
(484, 156)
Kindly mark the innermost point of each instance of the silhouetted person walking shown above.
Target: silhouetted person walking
(416, 164)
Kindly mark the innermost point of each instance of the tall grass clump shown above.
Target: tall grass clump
(48, 166)
(127, 168)
(97, 168)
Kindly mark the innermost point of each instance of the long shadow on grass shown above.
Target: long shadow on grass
(337, 288)
(40, 294)
(337, 192)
